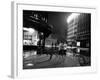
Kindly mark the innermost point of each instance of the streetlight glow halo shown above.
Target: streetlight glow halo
(72, 16)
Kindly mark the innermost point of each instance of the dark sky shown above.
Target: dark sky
(58, 20)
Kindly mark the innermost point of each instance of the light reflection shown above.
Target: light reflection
(30, 64)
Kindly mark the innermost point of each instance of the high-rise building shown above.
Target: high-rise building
(73, 20)
(79, 29)
(84, 30)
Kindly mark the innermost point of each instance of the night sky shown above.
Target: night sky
(58, 20)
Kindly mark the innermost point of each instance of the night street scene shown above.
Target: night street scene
(56, 39)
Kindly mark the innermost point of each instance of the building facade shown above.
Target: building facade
(72, 30)
(79, 30)
(33, 20)
(84, 30)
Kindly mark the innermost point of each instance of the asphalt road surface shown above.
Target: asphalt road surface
(44, 61)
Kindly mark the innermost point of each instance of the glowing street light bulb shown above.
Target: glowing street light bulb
(72, 16)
